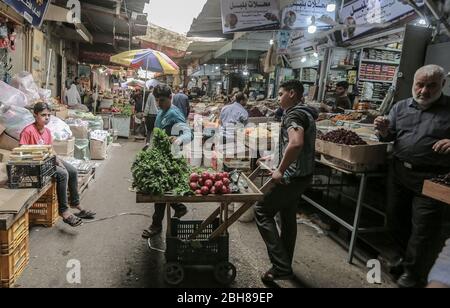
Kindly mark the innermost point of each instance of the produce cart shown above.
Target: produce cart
(204, 243)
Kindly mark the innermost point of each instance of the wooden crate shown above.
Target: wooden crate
(437, 191)
(13, 265)
(45, 211)
(10, 239)
(351, 167)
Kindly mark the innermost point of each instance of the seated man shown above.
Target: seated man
(66, 174)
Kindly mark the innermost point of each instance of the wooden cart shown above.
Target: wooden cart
(199, 243)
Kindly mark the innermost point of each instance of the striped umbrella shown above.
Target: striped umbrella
(148, 59)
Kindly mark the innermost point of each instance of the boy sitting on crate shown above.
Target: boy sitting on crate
(66, 174)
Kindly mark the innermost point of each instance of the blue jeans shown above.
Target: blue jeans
(66, 177)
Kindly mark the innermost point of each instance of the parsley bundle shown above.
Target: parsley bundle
(157, 171)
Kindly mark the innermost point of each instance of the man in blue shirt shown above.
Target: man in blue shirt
(171, 120)
(233, 115)
(181, 101)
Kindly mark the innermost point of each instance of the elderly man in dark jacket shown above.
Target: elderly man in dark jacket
(420, 129)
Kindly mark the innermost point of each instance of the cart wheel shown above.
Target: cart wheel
(225, 273)
(173, 273)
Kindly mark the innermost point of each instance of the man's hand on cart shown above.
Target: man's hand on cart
(278, 177)
(175, 140)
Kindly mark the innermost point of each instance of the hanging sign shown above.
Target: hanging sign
(283, 38)
(250, 15)
(32, 11)
(299, 14)
(363, 13)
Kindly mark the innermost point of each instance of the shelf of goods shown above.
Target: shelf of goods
(373, 91)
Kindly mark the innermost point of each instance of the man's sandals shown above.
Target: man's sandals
(85, 214)
(73, 221)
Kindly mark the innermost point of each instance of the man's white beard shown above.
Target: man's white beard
(426, 103)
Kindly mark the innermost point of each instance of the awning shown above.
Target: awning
(209, 22)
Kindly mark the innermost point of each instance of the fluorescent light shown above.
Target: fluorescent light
(316, 55)
(271, 42)
(422, 21)
(83, 35)
(331, 7)
(217, 67)
(303, 60)
(245, 73)
(312, 28)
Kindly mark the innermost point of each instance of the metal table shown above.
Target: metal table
(355, 227)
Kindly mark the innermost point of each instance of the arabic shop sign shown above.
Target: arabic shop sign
(298, 15)
(367, 12)
(250, 15)
(32, 10)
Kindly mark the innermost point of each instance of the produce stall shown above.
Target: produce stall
(159, 177)
(343, 153)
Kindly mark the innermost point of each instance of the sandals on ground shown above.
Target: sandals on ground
(73, 221)
(86, 214)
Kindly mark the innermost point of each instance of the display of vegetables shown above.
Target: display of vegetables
(343, 136)
(210, 183)
(156, 171)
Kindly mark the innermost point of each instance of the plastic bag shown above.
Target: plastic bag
(15, 119)
(11, 96)
(82, 149)
(100, 135)
(60, 129)
(24, 82)
(79, 128)
(45, 95)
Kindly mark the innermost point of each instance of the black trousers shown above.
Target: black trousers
(160, 210)
(281, 199)
(414, 221)
(150, 125)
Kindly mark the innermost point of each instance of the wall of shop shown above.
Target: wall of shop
(439, 54)
(18, 56)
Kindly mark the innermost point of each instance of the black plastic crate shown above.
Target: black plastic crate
(200, 251)
(32, 175)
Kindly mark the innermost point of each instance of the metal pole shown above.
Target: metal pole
(49, 67)
(145, 86)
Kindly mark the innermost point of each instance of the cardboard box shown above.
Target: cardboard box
(64, 148)
(80, 132)
(62, 113)
(7, 142)
(375, 153)
(98, 149)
